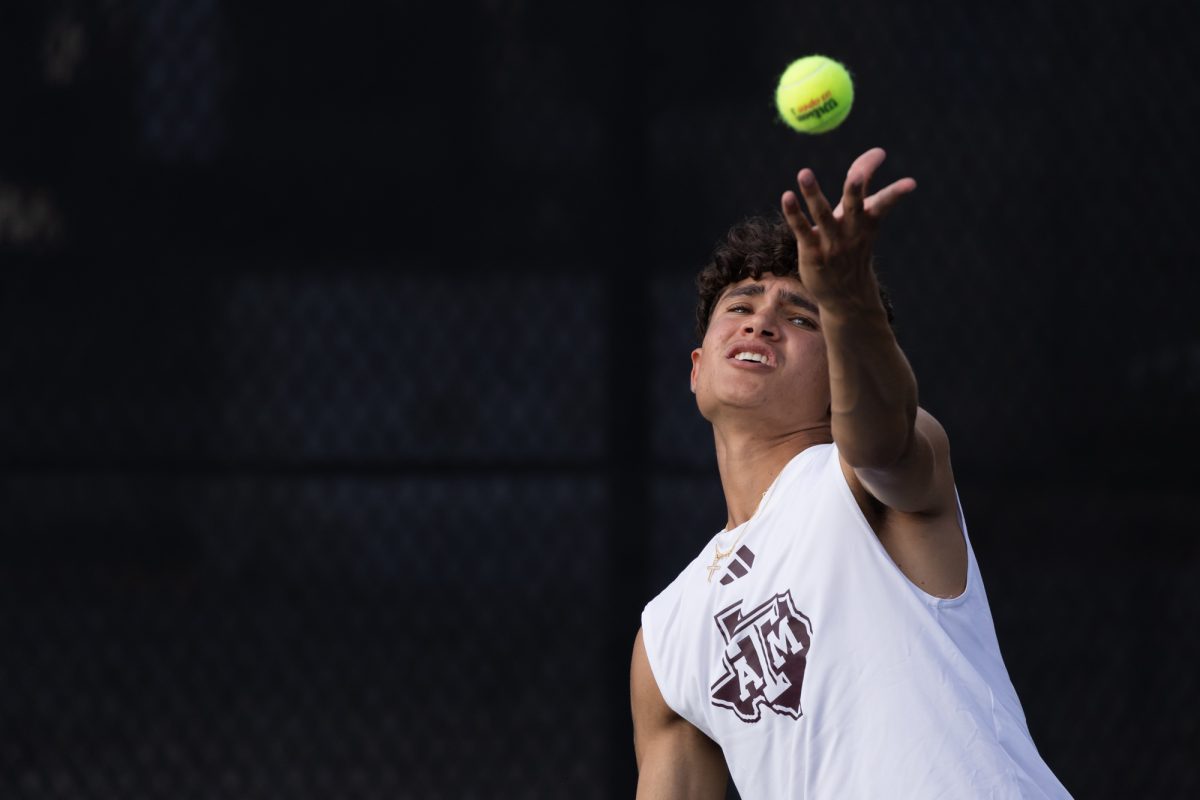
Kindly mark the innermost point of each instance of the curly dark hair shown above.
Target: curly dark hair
(752, 247)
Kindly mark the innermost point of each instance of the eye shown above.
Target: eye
(740, 308)
(802, 322)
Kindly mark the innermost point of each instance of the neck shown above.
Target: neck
(749, 462)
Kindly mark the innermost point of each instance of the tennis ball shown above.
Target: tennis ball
(814, 94)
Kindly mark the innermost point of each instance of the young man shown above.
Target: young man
(834, 641)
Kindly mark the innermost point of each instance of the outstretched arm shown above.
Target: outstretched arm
(874, 392)
(675, 760)
(897, 452)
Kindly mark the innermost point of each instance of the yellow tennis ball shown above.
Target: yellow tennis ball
(814, 94)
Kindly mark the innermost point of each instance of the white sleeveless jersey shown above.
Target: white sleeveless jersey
(823, 672)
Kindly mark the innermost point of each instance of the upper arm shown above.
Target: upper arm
(675, 760)
(913, 507)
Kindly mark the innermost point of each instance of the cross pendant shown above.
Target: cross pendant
(716, 565)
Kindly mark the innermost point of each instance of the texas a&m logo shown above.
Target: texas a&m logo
(763, 663)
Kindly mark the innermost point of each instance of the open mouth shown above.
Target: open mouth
(751, 354)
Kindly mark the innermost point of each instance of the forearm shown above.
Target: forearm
(872, 386)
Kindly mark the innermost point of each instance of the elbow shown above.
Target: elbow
(881, 447)
(876, 454)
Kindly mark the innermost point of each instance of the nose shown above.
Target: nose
(759, 324)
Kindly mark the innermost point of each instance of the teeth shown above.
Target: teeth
(751, 357)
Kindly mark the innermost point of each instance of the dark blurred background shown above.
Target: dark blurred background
(344, 421)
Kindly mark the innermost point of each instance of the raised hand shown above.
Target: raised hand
(835, 247)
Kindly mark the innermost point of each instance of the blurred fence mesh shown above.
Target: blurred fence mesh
(344, 419)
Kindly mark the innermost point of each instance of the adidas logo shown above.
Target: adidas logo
(742, 561)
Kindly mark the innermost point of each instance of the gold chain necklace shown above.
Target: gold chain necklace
(718, 554)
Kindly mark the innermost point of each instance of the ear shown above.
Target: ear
(695, 366)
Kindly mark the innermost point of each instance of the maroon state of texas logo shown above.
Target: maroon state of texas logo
(763, 663)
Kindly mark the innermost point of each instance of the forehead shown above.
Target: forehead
(769, 284)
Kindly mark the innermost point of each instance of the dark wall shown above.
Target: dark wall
(344, 423)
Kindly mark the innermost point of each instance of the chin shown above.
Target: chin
(733, 402)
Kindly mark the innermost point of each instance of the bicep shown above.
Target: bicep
(675, 760)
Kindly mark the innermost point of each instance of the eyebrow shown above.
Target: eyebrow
(757, 289)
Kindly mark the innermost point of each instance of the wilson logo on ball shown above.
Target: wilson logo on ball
(814, 95)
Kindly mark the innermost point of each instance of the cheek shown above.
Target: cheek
(702, 374)
(816, 364)
(708, 377)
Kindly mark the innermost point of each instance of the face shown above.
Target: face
(763, 353)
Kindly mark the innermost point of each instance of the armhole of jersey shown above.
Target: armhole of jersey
(930, 599)
(650, 643)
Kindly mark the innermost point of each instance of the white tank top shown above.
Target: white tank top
(823, 672)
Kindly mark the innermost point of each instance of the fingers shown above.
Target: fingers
(799, 223)
(854, 193)
(818, 206)
(880, 203)
(853, 199)
(859, 175)
(855, 205)
(863, 168)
